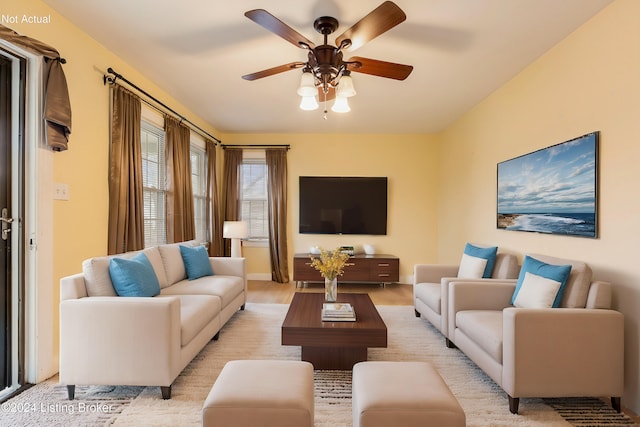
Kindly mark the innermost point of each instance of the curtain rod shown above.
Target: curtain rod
(287, 146)
(112, 80)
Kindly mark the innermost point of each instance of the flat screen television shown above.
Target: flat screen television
(343, 205)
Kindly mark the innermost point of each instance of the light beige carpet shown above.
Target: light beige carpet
(255, 334)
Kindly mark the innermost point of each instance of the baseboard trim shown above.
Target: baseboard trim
(258, 276)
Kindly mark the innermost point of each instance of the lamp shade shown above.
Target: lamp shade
(308, 103)
(340, 105)
(307, 85)
(345, 88)
(235, 230)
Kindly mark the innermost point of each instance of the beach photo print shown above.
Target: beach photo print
(552, 190)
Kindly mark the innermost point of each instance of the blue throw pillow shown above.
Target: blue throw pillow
(485, 253)
(134, 277)
(559, 273)
(196, 261)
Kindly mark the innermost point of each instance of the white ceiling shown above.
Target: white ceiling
(461, 50)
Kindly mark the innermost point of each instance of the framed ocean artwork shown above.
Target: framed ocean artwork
(553, 190)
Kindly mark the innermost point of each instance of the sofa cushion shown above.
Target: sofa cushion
(558, 273)
(484, 327)
(196, 311)
(196, 262)
(172, 261)
(98, 279)
(471, 267)
(227, 288)
(576, 291)
(429, 293)
(472, 260)
(134, 277)
(537, 292)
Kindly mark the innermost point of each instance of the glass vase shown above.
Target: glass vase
(330, 289)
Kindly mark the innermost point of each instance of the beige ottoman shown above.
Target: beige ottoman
(408, 394)
(250, 393)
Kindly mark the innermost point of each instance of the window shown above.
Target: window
(199, 185)
(253, 194)
(153, 184)
(154, 180)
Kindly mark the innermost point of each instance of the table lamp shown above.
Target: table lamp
(235, 230)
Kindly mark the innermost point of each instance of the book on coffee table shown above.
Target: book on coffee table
(338, 312)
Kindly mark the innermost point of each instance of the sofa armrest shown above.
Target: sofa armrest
(227, 266)
(432, 273)
(477, 294)
(73, 287)
(563, 352)
(120, 340)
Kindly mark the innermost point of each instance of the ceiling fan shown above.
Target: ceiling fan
(326, 74)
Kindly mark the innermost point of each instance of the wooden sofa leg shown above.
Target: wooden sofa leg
(616, 403)
(513, 404)
(417, 313)
(166, 392)
(71, 391)
(242, 307)
(449, 343)
(216, 336)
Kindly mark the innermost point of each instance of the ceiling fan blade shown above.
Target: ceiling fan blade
(274, 70)
(378, 21)
(276, 26)
(374, 67)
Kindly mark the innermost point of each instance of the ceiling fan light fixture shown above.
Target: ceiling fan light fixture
(340, 105)
(345, 87)
(309, 103)
(307, 85)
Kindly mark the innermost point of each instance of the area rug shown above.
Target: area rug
(255, 334)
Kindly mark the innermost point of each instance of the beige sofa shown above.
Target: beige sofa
(572, 351)
(431, 283)
(106, 339)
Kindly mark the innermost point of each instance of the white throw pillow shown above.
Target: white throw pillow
(536, 292)
(471, 267)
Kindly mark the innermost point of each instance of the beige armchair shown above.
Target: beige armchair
(572, 351)
(431, 282)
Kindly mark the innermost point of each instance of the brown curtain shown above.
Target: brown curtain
(214, 224)
(277, 206)
(180, 216)
(231, 171)
(126, 216)
(57, 107)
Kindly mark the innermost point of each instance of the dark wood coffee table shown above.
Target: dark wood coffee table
(333, 345)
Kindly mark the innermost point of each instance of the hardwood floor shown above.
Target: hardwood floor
(281, 293)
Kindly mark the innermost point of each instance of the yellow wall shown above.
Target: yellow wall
(80, 229)
(411, 165)
(589, 82)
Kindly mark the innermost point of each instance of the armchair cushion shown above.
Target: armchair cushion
(474, 258)
(196, 262)
(576, 291)
(134, 277)
(537, 292)
(558, 273)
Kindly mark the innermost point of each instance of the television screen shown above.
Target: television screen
(343, 205)
(552, 190)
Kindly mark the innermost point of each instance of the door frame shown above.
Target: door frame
(34, 345)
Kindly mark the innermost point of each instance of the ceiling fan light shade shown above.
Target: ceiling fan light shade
(307, 85)
(340, 105)
(309, 103)
(345, 88)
